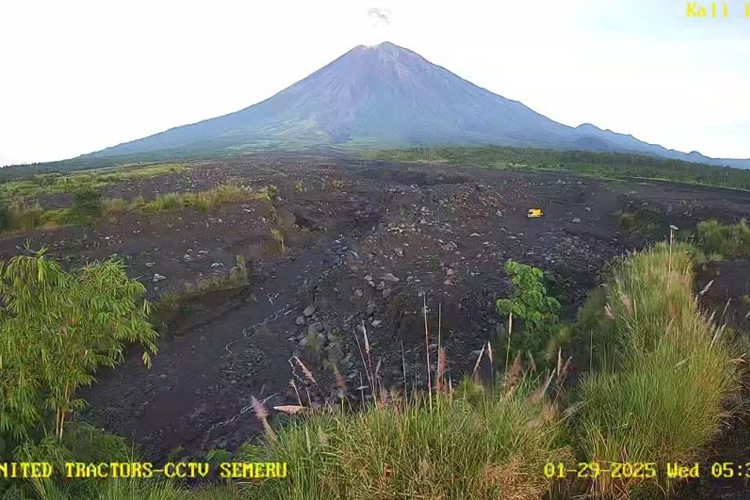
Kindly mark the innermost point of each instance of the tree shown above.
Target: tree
(56, 330)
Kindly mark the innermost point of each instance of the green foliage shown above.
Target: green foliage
(451, 448)
(56, 330)
(205, 200)
(590, 163)
(173, 304)
(4, 217)
(530, 303)
(299, 186)
(87, 204)
(17, 191)
(729, 240)
(663, 376)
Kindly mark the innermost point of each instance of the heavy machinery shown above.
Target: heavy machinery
(534, 213)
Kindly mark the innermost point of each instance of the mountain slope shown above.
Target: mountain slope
(387, 96)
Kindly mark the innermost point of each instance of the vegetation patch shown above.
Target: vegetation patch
(205, 200)
(727, 240)
(589, 163)
(662, 374)
(88, 206)
(494, 445)
(17, 191)
(662, 380)
(174, 304)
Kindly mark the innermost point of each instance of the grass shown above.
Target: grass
(15, 192)
(586, 163)
(728, 240)
(663, 373)
(206, 200)
(25, 219)
(493, 446)
(174, 304)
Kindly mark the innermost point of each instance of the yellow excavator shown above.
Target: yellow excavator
(534, 213)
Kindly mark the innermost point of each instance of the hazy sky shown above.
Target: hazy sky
(80, 75)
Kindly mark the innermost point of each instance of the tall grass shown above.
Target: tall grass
(728, 240)
(205, 200)
(26, 219)
(16, 191)
(494, 446)
(664, 374)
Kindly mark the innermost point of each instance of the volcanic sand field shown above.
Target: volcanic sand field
(363, 240)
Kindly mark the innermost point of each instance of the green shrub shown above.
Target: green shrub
(26, 219)
(115, 206)
(87, 203)
(5, 220)
(57, 329)
(531, 305)
(730, 240)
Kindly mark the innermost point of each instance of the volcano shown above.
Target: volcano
(387, 96)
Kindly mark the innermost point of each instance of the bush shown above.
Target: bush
(87, 203)
(57, 330)
(729, 240)
(4, 217)
(531, 305)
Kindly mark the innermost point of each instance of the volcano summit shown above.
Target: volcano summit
(387, 96)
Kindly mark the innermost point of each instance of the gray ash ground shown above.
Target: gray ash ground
(359, 256)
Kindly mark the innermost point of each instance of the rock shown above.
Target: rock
(449, 247)
(309, 311)
(300, 320)
(390, 278)
(386, 292)
(217, 264)
(381, 286)
(322, 341)
(376, 323)
(304, 342)
(158, 277)
(358, 293)
(576, 220)
(370, 308)
(150, 264)
(399, 251)
(474, 235)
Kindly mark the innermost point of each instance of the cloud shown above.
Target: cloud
(380, 14)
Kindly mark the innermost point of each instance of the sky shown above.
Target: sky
(77, 76)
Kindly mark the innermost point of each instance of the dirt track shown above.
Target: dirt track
(361, 253)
